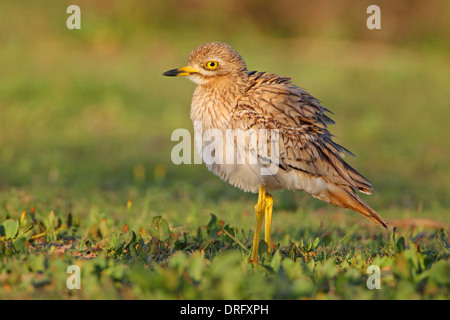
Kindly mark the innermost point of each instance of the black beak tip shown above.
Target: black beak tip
(171, 73)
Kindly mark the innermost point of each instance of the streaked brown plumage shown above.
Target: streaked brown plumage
(227, 96)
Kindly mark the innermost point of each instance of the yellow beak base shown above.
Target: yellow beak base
(185, 71)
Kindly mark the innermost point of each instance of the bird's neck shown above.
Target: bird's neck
(213, 103)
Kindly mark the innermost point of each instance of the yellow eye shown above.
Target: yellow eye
(211, 65)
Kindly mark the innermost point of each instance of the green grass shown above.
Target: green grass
(163, 262)
(85, 125)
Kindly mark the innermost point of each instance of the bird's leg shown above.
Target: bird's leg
(259, 210)
(268, 220)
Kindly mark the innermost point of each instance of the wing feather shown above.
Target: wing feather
(272, 102)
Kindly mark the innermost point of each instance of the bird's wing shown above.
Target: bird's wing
(272, 102)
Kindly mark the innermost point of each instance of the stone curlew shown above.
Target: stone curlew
(229, 98)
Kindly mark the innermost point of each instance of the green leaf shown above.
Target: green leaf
(400, 245)
(112, 240)
(276, 261)
(196, 266)
(160, 228)
(263, 247)
(326, 240)
(132, 240)
(212, 226)
(231, 231)
(52, 220)
(293, 252)
(316, 243)
(443, 239)
(11, 228)
(19, 244)
(103, 228)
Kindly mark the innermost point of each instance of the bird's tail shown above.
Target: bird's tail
(346, 197)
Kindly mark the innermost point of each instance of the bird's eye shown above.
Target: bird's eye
(211, 65)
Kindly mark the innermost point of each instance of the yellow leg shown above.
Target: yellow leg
(259, 210)
(268, 220)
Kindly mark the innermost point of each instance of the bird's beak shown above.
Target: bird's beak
(185, 71)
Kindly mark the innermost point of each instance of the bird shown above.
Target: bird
(228, 98)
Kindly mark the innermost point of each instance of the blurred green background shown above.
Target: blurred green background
(86, 116)
(85, 126)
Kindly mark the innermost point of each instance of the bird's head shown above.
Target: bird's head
(211, 62)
